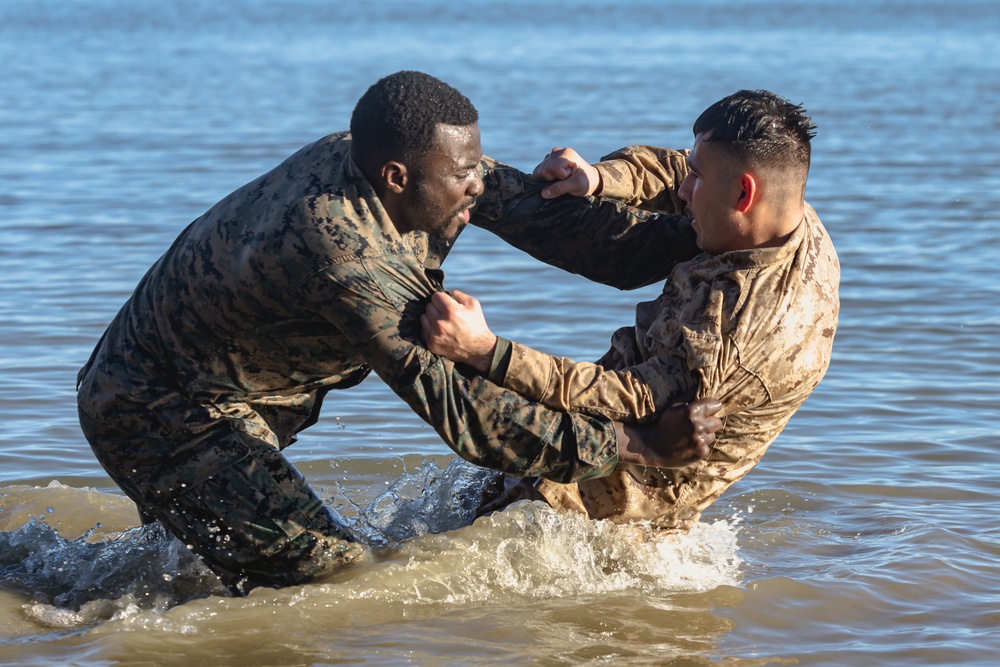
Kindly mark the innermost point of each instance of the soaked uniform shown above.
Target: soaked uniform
(295, 284)
(753, 328)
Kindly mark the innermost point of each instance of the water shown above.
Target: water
(868, 535)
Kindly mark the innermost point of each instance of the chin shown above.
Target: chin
(447, 232)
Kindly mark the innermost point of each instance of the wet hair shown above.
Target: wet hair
(761, 129)
(396, 117)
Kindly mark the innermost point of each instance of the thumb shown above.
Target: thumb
(706, 406)
(558, 189)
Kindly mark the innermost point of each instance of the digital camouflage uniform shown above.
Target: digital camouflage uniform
(753, 328)
(293, 285)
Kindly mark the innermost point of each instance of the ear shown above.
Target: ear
(394, 176)
(748, 192)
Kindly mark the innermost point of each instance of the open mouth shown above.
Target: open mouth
(466, 213)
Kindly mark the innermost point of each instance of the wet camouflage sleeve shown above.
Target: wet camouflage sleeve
(602, 240)
(622, 245)
(692, 336)
(645, 176)
(483, 423)
(633, 395)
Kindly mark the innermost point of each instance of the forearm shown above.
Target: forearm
(484, 423)
(632, 396)
(496, 428)
(645, 176)
(602, 240)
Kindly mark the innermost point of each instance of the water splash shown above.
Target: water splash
(429, 499)
(75, 581)
(531, 551)
(429, 551)
(526, 551)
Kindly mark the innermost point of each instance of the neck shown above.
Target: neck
(773, 225)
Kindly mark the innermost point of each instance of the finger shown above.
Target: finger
(705, 449)
(544, 164)
(706, 424)
(464, 299)
(554, 169)
(431, 313)
(559, 188)
(441, 300)
(705, 406)
(542, 167)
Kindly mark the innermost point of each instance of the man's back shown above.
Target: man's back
(221, 326)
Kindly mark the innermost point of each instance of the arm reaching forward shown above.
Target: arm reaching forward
(454, 327)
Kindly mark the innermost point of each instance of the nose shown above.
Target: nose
(684, 192)
(476, 187)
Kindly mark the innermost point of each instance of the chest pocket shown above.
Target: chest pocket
(702, 350)
(703, 354)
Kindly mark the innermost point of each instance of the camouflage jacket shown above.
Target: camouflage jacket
(752, 328)
(296, 284)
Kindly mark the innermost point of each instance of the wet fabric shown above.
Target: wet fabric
(255, 522)
(752, 328)
(292, 286)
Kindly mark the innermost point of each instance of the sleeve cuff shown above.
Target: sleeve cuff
(501, 361)
(616, 183)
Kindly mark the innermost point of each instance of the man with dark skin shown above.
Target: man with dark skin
(303, 281)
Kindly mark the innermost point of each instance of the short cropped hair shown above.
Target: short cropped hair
(760, 128)
(396, 117)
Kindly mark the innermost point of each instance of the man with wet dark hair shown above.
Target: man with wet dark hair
(750, 321)
(303, 281)
(397, 116)
(766, 132)
(761, 127)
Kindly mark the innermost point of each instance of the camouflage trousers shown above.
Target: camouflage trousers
(256, 522)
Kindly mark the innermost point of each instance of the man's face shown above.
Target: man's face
(446, 182)
(711, 190)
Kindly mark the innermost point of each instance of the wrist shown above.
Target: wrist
(482, 361)
(597, 180)
(629, 444)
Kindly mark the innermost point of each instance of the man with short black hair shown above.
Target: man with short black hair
(750, 321)
(300, 282)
